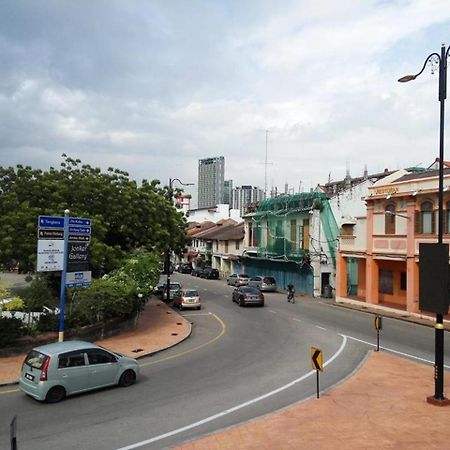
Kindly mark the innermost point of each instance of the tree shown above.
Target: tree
(124, 216)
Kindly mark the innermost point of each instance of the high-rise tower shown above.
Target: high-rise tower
(211, 175)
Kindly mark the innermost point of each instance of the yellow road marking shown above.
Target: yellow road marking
(222, 332)
(9, 392)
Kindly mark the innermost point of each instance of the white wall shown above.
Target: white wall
(221, 211)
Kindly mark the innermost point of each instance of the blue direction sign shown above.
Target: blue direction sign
(80, 230)
(80, 221)
(51, 222)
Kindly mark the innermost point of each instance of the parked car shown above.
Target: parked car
(187, 298)
(158, 290)
(197, 272)
(245, 295)
(264, 284)
(54, 371)
(210, 273)
(185, 268)
(238, 279)
(174, 287)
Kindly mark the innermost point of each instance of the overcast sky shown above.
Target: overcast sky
(152, 86)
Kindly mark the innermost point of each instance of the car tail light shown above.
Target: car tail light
(44, 369)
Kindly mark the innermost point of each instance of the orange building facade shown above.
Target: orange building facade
(378, 256)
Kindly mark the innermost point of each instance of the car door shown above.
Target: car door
(72, 371)
(103, 368)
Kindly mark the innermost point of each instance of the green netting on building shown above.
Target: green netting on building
(282, 226)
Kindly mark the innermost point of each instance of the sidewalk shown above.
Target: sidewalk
(382, 405)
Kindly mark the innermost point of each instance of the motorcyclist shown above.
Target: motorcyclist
(290, 293)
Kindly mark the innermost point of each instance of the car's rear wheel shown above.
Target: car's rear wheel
(127, 378)
(55, 394)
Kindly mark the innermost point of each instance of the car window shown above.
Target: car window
(191, 293)
(174, 286)
(35, 359)
(99, 356)
(269, 280)
(72, 359)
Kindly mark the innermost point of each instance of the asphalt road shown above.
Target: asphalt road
(239, 363)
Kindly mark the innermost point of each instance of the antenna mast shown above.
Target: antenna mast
(265, 168)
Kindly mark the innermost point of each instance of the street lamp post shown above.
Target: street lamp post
(168, 251)
(441, 60)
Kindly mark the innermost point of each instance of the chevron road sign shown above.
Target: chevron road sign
(316, 359)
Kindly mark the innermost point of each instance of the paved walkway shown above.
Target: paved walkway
(383, 405)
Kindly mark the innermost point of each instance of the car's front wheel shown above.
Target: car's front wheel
(127, 378)
(55, 394)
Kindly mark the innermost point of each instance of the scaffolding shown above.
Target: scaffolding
(282, 227)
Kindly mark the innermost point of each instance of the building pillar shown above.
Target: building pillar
(412, 268)
(315, 256)
(371, 265)
(341, 275)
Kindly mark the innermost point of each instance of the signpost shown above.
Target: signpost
(63, 245)
(378, 326)
(317, 364)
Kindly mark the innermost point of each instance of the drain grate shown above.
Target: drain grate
(179, 323)
(137, 350)
(174, 334)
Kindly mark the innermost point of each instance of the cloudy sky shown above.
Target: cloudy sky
(151, 86)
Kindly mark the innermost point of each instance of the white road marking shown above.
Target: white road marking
(322, 328)
(272, 311)
(393, 351)
(237, 407)
(297, 320)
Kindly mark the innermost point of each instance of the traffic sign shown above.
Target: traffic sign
(79, 221)
(79, 237)
(51, 222)
(378, 323)
(316, 359)
(80, 230)
(50, 234)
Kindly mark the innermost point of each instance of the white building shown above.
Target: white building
(246, 195)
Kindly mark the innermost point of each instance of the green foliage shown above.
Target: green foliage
(37, 294)
(144, 269)
(15, 304)
(10, 330)
(105, 299)
(124, 216)
(47, 322)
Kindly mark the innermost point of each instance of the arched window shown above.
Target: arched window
(425, 222)
(389, 219)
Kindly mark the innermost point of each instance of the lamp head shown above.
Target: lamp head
(407, 78)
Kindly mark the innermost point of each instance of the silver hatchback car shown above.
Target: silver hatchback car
(264, 284)
(53, 371)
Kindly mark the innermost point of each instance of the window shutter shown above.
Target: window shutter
(418, 222)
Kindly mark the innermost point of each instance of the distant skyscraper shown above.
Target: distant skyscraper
(245, 195)
(211, 175)
(228, 192)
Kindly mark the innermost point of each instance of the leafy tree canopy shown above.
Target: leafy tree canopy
(124, 216)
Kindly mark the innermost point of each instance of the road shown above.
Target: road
(239, 363)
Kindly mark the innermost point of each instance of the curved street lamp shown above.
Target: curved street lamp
(168, 251)
(434, 59)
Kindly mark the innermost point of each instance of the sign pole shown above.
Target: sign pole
(62, 293)
(317, 380)
(12, 433)
(378, 326)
